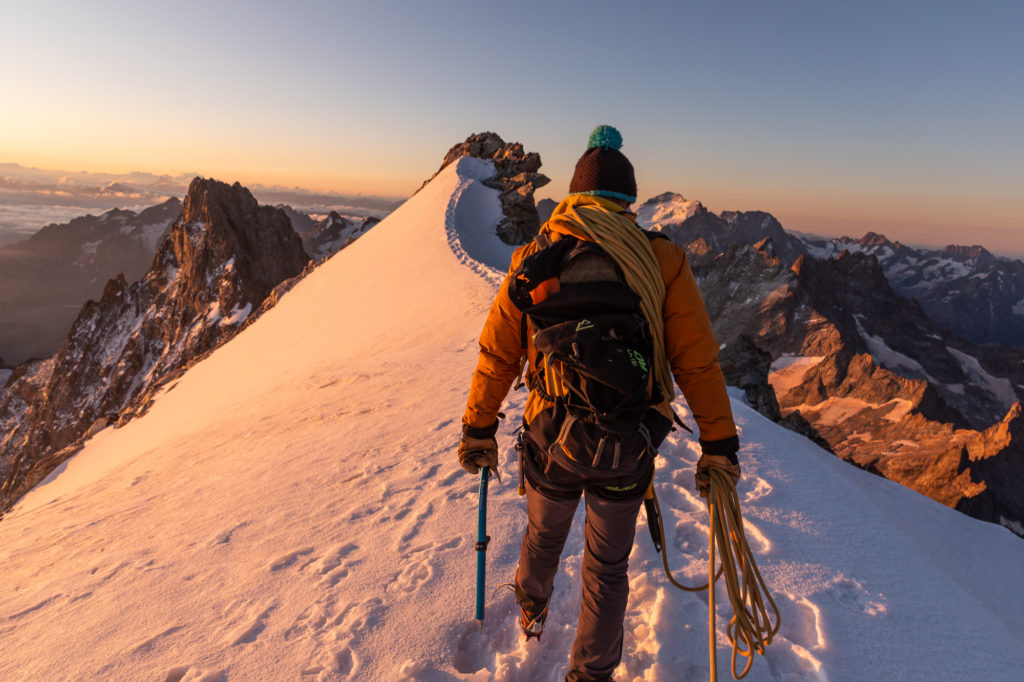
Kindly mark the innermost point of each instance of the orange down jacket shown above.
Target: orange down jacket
(692, 350)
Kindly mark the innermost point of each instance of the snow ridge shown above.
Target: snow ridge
(295, 515)
(470, 218)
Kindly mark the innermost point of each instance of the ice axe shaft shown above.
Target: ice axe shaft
(481, 547)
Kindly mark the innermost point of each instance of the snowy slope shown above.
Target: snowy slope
(292, 509)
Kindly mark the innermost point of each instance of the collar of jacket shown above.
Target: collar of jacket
(564, 219)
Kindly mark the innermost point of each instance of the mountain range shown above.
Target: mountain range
(290, 506)
(884, 384)
(965, 290)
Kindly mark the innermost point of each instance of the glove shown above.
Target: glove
(478, 448)
(707, 462)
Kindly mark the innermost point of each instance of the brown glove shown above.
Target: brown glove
(703, 476)
(479, 448)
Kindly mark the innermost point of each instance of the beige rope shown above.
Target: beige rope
(631, 250)
(750, 624)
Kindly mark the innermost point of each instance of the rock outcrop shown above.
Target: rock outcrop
(748, 367)
(328, 236)
(865, 369)
(996, 459)
(515, 176)
(220, 260)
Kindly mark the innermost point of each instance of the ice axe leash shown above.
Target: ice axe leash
(750, 626)
(482, 538)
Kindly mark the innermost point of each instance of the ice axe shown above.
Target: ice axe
(482, 538)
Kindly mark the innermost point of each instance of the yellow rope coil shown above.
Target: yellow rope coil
(631, 250)
(750, 626)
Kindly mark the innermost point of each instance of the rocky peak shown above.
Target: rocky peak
(221, 222)
(798, 264)
(47, 277)
(874, 239)
(667, 208)
(515, 176)
(747, 366)
(333, 233)
(994, 462)
(1008, 433)
(218, 263)
(974, 252)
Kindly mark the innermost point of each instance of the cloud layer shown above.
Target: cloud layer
(31, 198)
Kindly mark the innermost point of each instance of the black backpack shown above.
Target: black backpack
(594, 363)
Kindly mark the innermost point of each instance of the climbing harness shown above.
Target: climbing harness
(750, 629)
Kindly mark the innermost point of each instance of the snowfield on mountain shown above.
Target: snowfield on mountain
(292, 509)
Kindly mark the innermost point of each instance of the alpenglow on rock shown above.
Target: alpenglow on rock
(219, 261)
(515, 176)
(869, 372)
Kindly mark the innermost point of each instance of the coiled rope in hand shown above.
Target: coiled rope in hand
(750, 629)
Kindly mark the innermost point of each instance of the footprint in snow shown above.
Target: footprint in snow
(147, 644)
(335, 564)
(288, 559)
(224, 537)
(801, 622)
(34, 607)
(360, 616)
(248, 628)
(413, 529)
(412, 577)
(184, 673)
(852, 595)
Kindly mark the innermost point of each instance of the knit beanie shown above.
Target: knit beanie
(603, 170)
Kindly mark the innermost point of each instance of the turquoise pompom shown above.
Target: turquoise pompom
(605, 136)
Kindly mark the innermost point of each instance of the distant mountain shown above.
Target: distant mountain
(333, 233)
(221, 259)
(328, 235)
(963, 289)
(869, 371)
(668, 208)
(46, 278)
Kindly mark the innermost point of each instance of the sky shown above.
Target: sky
(900, 117)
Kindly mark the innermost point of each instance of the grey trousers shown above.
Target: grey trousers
(609, 529)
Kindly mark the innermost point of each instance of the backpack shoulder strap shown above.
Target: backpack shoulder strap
(536, 268)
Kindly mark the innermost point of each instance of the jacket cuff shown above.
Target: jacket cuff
(480, 432)
(726, 447)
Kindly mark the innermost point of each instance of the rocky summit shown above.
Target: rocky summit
(515, 176)
(219, 261)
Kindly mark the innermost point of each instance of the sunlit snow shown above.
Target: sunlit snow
(292, 509)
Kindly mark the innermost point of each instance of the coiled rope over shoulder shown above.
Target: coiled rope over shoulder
(750, 629)
(632, 251)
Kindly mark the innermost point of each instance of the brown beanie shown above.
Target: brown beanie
(603, 170)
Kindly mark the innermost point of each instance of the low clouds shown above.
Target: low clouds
(31, 198)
